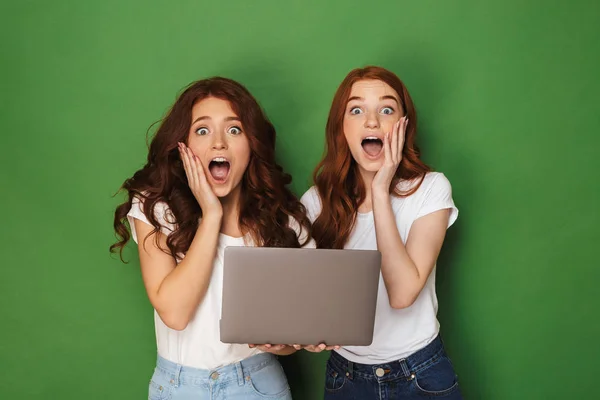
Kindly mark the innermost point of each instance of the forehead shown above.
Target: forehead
(372, 87)
(212, 107)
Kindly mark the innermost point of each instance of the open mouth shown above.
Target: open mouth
(219, 169)
(372, 146)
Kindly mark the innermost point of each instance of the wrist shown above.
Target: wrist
(211, 218)
(380, 193)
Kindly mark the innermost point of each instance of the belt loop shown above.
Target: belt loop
(350, 370)
(240, 373)
(177, 374)
(405, 369)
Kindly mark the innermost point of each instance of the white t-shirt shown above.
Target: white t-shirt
(199, 344)
(398, 333)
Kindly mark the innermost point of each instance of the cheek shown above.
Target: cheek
(196, 143)
(352, 128)
(388, 124)
(242, 154)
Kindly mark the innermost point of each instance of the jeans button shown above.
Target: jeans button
(214, 376)
(379, 372)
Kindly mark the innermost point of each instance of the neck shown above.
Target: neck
(367, 177)
(230, 224)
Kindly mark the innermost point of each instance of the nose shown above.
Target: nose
(372, 120)
(219, 142)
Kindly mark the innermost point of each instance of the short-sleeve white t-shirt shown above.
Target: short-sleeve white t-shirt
(398, 333)
(199, 344)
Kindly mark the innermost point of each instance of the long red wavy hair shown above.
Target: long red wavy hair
(266, 203)
(338, 181)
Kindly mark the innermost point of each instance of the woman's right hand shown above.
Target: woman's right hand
(201, 189)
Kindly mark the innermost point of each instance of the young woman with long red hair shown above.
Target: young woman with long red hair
(211, 181)
(373, 192)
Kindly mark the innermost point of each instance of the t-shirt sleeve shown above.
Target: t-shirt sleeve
(160, 213)
(439, 197)
(312, 203)
(302, 234)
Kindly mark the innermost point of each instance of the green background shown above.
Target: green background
(507, 95)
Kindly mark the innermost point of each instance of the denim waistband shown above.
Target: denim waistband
(405, 367)
(182, 375)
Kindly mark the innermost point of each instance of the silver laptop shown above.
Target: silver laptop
(299, 296)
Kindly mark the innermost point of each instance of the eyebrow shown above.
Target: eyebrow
(381, 98)
(207, 117)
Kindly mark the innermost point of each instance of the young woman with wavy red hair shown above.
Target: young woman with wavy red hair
(373, 192)
(210, 181)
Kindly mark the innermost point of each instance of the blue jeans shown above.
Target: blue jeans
(426, 374)
(257, 377)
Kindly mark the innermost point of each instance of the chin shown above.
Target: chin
(224, 190)
(370, 165)
(221, 190)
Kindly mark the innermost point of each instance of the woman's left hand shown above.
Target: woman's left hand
(393, 144)
(316, 348)
(269, 348)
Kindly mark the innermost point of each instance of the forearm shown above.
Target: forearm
(183, 289)
(400, 274)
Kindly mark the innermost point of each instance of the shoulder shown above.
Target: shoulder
(312, 202)
(434, 193)
(433, 181)
(310, 196)
(160, 210)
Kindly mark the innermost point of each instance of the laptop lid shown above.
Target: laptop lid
(299, 296)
